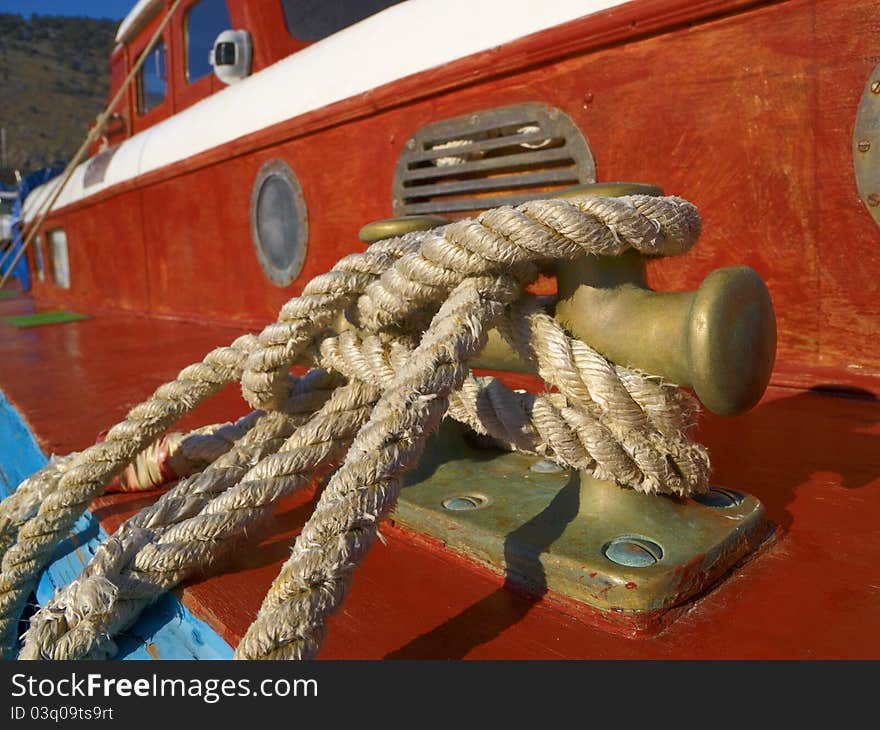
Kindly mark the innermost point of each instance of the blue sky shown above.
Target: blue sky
(115, 9)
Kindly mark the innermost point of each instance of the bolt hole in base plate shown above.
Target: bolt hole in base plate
(549, 529)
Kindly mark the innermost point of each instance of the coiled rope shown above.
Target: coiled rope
(421, 306)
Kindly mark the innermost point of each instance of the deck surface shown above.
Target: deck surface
(813, 591)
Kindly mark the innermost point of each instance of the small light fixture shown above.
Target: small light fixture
(231, 56)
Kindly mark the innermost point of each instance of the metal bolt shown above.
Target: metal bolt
(875, 87)
(588, 98)
(873, 200)
(632, 551)
(864, 145)
(546, 466)
(720, 498)
(465, 502)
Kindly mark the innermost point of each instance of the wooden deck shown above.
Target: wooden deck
(813, 457)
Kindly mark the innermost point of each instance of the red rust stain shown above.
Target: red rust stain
(152, 650)
(691, 574)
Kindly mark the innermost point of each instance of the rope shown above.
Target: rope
(177, 455)
(45, 206)
(175, 536)
(91, 470)
(422, 304)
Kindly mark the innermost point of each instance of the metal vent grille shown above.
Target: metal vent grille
(496, 157)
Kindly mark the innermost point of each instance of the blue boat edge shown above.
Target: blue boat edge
(167, 629)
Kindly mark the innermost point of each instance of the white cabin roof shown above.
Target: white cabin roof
(376, 51)
(141, 13)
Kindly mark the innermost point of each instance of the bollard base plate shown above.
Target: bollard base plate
(611, 548)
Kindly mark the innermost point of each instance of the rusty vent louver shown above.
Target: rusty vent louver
(496, 157)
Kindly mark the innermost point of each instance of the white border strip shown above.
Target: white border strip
(135, 18)
(403, 40)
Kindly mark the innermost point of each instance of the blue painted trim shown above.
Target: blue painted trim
(166, 630)
(19, 454)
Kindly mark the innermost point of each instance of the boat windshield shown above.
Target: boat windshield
(312, 20)
(204, 22)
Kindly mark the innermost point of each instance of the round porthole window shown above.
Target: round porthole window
(279, 222)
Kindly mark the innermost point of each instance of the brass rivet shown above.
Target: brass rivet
(546, 466)
(864, 145)
(465, 502)
(632, 551)
(875, 87)
(873, 200)
(720, 498)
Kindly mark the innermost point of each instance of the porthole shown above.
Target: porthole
(279, 222)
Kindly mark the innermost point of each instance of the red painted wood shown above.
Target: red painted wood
(629, 22)
(108, 258)
(812, 458)
(264, 21)
(757, 136)
(747, 112)
(268, 28)
(186, 93)
(119, 129)
(72, 383)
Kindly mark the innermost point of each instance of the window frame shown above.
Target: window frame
(134, 49)
(39, 258)
(139, 94)
(51, 245)
(185, 39)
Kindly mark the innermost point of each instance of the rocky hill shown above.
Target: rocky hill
(54, 76)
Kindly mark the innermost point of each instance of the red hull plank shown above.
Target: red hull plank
(750, 117)
(814, 591)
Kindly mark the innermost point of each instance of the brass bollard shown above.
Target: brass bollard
(391, 227)
(547, 527)
(719, 339)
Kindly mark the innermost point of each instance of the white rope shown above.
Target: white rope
(423, 304)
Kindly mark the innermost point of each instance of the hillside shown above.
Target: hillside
(54, 76)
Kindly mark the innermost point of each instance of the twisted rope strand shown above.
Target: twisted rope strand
(154, 551)
(90, 471)
(336, 538)
(424, 302)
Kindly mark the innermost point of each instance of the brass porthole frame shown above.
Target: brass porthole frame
(279, 169)
(866, 145)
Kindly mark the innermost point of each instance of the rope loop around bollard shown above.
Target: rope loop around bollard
(421, 306)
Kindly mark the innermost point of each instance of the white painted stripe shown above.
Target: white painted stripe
(403, 40)
(137, 16)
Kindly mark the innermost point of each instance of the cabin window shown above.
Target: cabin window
(38, 255)
(312, 20)
(204, 22)
(279, 222)
(152, 80)
(58, 252)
